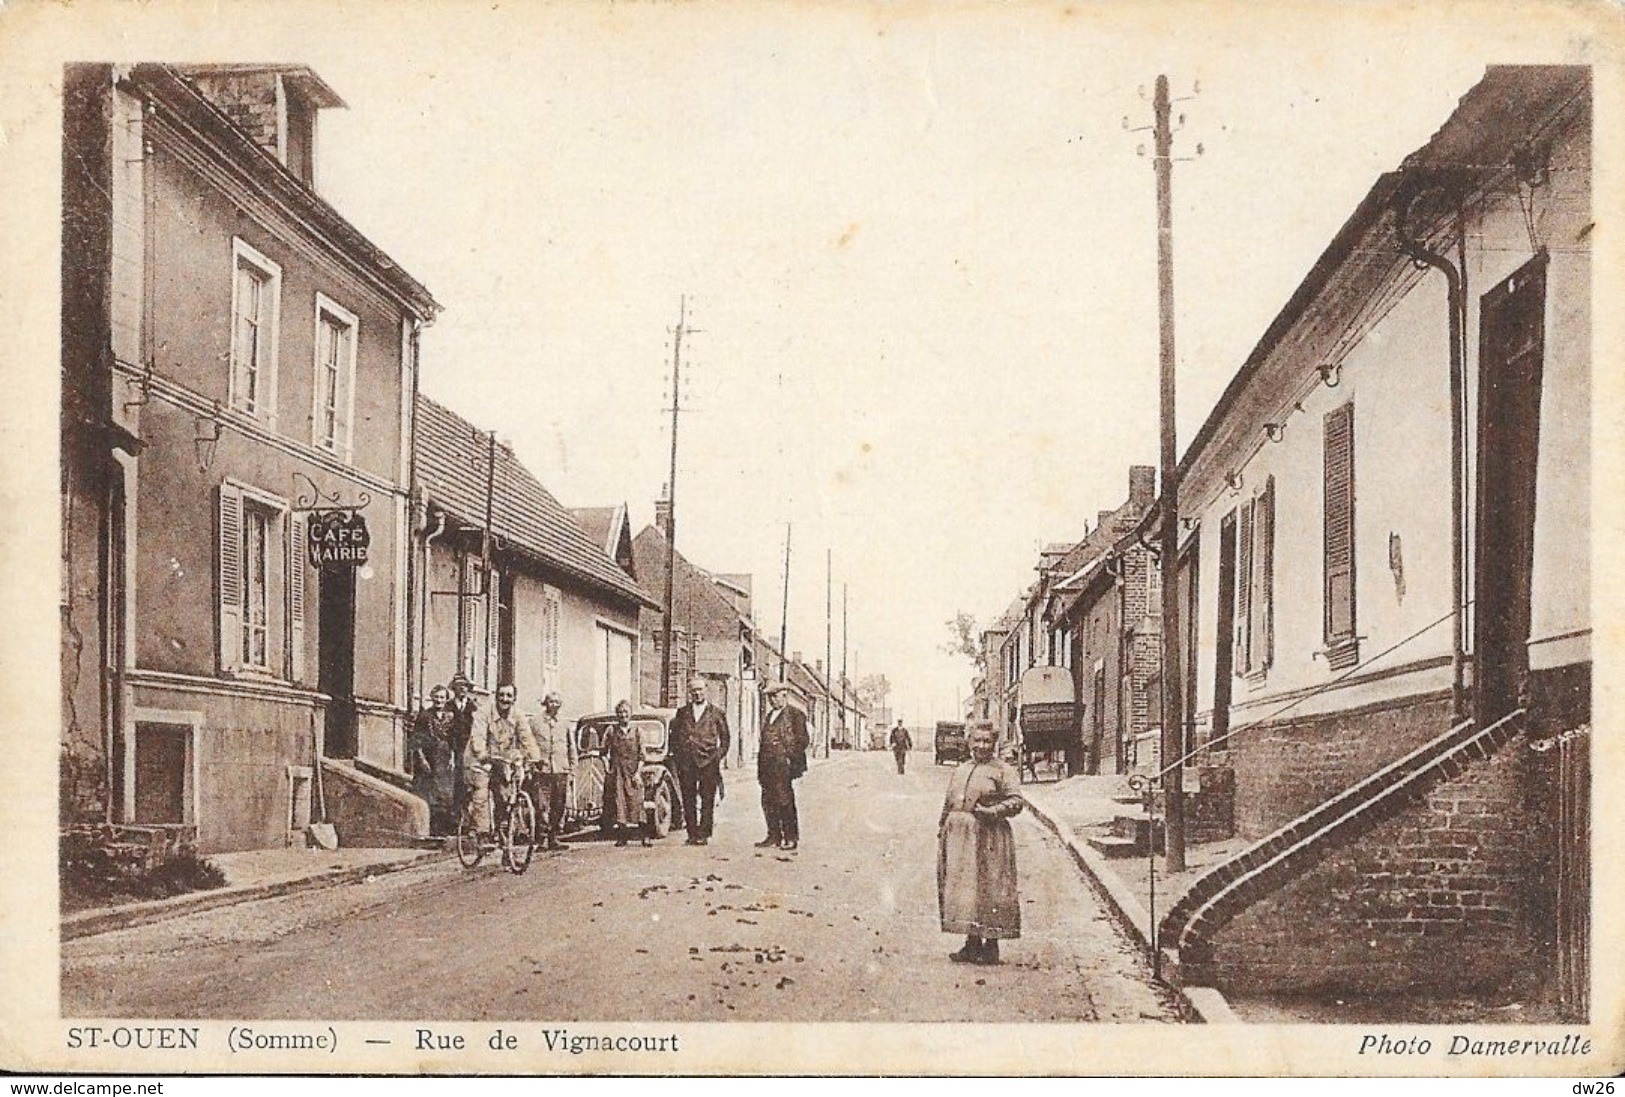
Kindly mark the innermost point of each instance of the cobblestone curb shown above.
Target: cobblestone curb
(88, 923)
(1205, 1004)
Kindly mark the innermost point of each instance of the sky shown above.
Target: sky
(918, 244)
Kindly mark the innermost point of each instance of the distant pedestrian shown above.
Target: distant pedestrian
(552, 779)
(976, 854)
(623, 780)
(780, 759)
(434, 761)
(699, 742)
(901, 744)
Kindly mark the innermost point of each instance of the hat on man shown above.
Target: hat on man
(460, 679)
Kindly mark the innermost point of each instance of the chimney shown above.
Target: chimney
(663, 511)
(1102, 518)
(1142, 485)
(274, 105)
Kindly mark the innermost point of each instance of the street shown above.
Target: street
(845, 929)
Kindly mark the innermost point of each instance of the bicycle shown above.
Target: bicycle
(514, 830)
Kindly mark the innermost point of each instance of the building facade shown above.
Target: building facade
(239, 363)
(512, 588)
(1386, 570)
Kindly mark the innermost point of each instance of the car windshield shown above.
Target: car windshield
(590, 732)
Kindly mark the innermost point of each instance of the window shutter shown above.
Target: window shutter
(229, 570)
(1244, 588)
(1264, 552)
(296, 597)
(493, 589)
(1339, 527)
(466, 616)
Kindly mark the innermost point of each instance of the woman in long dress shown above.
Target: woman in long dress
(434, 764)
(623, 780)
(976, 854)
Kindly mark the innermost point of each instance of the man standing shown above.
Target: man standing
(557, 747)
(901, 744)
(699, 740)
(466, 720)
(781, 758)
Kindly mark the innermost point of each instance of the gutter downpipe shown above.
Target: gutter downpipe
(1455, 289)
(423, 604)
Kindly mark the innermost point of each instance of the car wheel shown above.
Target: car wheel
(660, 815)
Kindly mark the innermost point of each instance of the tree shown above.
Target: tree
(873, 689)
(965, 638)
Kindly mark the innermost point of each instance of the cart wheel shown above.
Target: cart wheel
(519, 835)
(470, 851)
(665, 799)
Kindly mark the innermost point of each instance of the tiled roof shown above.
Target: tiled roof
(599, 523)
(453, 465)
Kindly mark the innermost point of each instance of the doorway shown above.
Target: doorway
(336, 650)
(1510, 352)
(161, 765)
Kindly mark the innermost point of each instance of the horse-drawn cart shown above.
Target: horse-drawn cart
(1046, 722)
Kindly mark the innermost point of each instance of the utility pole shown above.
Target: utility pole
(667, 659)
(784, 611)
(1173, 722)
(829, 648)
(843, 664)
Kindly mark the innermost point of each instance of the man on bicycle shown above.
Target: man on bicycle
(507, 746)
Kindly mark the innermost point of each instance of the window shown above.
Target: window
(613, 679)
(333, 401)
(1254, 620)
(255, 308)
(471, 638)
(1342, 645)
(256, 581)
(261, 584)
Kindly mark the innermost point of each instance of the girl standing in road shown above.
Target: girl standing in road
(623, 781)
(976, 854)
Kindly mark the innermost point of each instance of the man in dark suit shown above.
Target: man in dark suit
(781, 758)
(699, 740)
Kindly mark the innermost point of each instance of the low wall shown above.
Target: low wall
(1288, 768)
(368, 812)
(1447, 895)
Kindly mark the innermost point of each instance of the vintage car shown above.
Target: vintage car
(951, 744)
(662, 802)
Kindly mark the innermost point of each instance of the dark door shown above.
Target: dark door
(160, 773)
(1188, 587)
(505, 629)
(1511, 345)
(1224, 631)
(336, 677)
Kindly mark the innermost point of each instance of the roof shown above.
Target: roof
(167, 85)
(302, 78)
(599, 523)
(1489, 121)
(453, 466)
(649, 550)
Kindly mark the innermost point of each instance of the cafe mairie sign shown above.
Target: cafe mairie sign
(338, 539)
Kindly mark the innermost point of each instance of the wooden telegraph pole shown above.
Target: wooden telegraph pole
(1173, 723)
(667, 660)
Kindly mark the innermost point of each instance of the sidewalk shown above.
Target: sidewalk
(1081, 807)
(250, 875)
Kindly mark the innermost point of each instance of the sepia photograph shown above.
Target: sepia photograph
(693, 538)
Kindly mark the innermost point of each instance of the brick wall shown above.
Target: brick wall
(1285, 769)
(1445, 896)
(248, 100)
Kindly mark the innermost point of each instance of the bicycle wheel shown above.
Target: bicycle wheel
(470, 850)
(519, 836)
